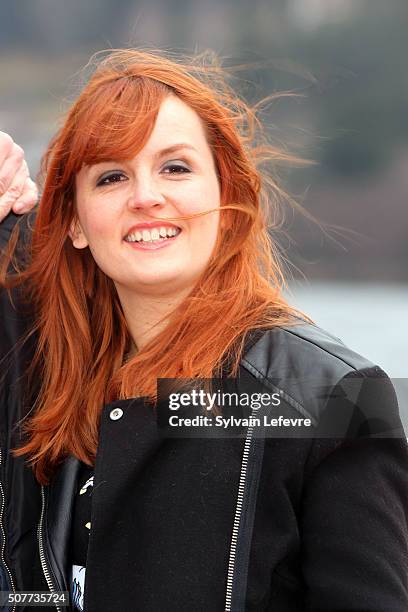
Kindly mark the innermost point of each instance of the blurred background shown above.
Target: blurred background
(346, 59)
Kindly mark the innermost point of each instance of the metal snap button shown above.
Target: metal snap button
(116, 414)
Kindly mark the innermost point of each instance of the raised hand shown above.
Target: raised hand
(17, 191)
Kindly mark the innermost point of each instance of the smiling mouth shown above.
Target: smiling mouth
(155, 235)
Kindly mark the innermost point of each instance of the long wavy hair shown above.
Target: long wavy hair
(82, 338)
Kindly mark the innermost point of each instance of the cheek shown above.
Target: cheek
(207, 225)
(205, 237)
(198, 197)
(98, 224)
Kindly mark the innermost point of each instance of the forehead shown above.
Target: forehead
(178, 122)
(174, 122)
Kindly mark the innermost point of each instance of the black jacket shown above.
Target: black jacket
(226, 523)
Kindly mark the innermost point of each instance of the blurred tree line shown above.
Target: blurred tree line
(350, 68)
(360, 87)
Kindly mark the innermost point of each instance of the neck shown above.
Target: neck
(146, 315)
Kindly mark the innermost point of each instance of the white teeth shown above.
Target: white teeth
(153, 235)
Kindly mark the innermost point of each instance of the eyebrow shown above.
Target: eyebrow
(175, 147)
(166, 151)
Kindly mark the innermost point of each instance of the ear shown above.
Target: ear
(77, 235)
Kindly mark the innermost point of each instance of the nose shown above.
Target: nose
(145, 195)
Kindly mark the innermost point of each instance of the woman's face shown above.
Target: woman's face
(173, 175)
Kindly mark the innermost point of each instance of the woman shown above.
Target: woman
(149, 258)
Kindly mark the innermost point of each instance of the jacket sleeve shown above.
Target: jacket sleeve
(13, 316)
(25, 223)
(6, 227)
(354, 521)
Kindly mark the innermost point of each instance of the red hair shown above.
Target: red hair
(82, 333)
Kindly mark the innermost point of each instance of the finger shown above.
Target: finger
(6, 145)
(10, 167)
(13, 192)
(28, 198)
(24, 169)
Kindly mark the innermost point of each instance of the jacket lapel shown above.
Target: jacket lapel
(57, 520)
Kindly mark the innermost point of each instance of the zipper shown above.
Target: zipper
(47, 573)
(237, 518)
(3, 535)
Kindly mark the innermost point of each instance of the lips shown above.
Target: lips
(135, 240)
(139, 227)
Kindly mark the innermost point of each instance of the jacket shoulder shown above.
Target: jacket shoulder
(302, 348)
(305, 363)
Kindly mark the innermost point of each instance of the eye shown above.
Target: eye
(176, 168)
(113, 177)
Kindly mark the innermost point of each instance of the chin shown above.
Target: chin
(160, 285)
